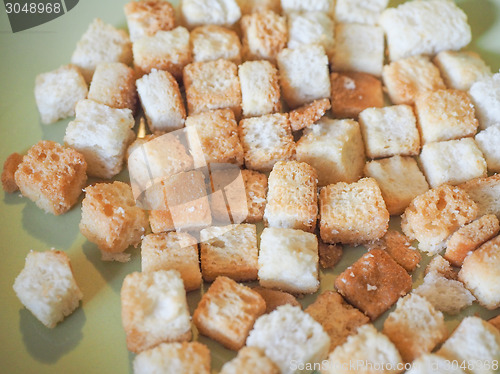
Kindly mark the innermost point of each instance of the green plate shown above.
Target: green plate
(92, 340)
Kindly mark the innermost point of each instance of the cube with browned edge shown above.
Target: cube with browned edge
(146, 17)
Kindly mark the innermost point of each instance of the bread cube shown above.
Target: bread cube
(307, 6)
(209, 12)
(287, 336)
(335, 149)
(300, 66)
(266, 140)
(260, 89)
(259, 6)
(212, 85)
(452, 162)
(354, 92)
(173, 250)
(101, 43)
(487, 141)
(352, 213)
(10, 166)
(165, 50)
(102, 134)
(275, 298)
(405, 79)
(359, 11)
(329, 254)
(440, 266)
(146, 17)
(485, 97)
(424, 28)
(308, 114)
(484, 192)
(288, 260)
(212, 42)
(358, 48)
(250, 360)
(58, 91)
(227, 311)
(47, 287)
(399, 179)
(154, 309)
(429, 362)
(256, 193)
(461, 69)
(52, 176)
(174, 358)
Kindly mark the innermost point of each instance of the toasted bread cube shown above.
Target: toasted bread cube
(424, 28)
(307, 6)
(329, 254)
(485, 97)
(300, 66)
(266, 140)
(165, 50)
(436, 214)
(102, 134)
(407, 78)
(260, 89)
(250, 360)
(101, 43)
(399, 179)
(160, 220)
(352, 213)
(308, 114)
(335, 149)
(354, 92)
(47, 287)
(174, 358)
(259, 6)
(339, 319)
(146, 17)
(173, 250)
(154, 309)
(452, 162)
(440, 266)
(289, 335)
(256, 191)
(58, 91)
(487, 141)
(209, 12)
(52, 176)
(359, 11)
(275, 298)
(429, 362)
(212, 42)
(358, 48)
(227, 311)
(288, 260)
(485, 192)
(10, 166)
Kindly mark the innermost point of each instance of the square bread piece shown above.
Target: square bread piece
(485, 95)
(359, 11)
(250, 360)
(308, 114)
(260, 89)
(266, 140)
(229, 251)
(436, 214)
(211, 42)
(165, 50)
(424, 28)
(146, 17)
(353, 92)
(264, 35)
(10, 166)
(358, 48)
(405, 79)
(161, 101)
(173, 250)
(58, 91)
(52, 176)
(461, 69)
(101, 134)
(485, 192)
(256, 6)
(174, 358)
(47, 287)
(338, 318)
(374, 283)
(227, 311)
(335, 149)
(488, 141)
(452, 162)
(399, 179)
(390, 131)
(307, 6)
(300, 66)
(430, 362)
(288, 260)
(352, 213)
(101, 43)
(292, 199)
(209, 12)
(212, 85)
(154, 309)
(288, 335)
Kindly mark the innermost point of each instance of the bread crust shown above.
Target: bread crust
(307, 114)
(10, 166)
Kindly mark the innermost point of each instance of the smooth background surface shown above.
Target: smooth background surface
(92, 339)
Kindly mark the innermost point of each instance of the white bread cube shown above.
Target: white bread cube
(485, 192)
(290, 336)
(424, 27)
(358, 48)
(485, 95)
(212, 42)
(102, 134)
(300, 66)
(146, 17)
(101, 43)
(452, 162)
(288, 260)
(250, 360)
(58, 91)
(390, 131)
(359, 11)
(431, 362)
(307, 6)
(256, 6)
(209, 12)
(47, 288)
(488, 141)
